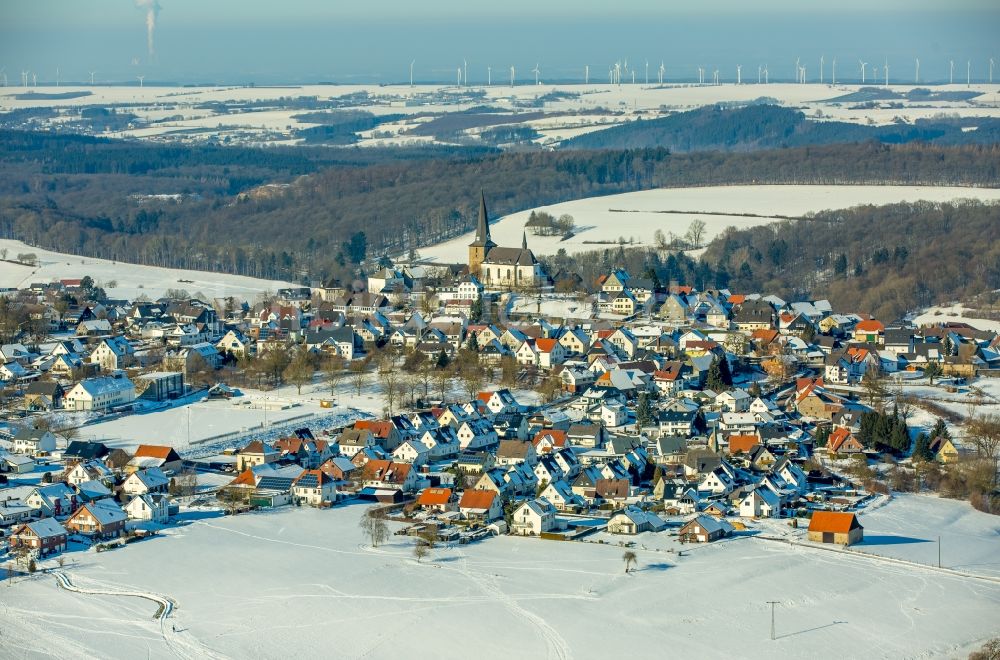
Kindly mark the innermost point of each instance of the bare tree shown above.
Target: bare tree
(358, 376)
(420, 550)
(984, 434)
(374, 526)
(300, 371)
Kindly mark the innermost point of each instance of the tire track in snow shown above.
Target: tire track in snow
(180, 647)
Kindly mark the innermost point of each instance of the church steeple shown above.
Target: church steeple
(524, 240)
(483, 243)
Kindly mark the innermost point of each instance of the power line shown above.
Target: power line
(772, 603)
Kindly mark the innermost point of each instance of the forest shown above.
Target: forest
(307, 213)
(764, 126)
(922, 253)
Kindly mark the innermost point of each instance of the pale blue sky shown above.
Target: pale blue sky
(332, 40)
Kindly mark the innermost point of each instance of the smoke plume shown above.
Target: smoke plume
(152, 8)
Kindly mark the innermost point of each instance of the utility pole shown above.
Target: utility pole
(772, 603)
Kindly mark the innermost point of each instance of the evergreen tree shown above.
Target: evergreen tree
(442, 359)
(922, 448)
(644, 411)
(714, 379)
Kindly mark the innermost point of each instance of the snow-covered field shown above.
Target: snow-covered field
(302, 581)
(132, 280)
(625, 102)
(601, 221)
(954, 313)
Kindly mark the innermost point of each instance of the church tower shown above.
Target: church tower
(481, 246)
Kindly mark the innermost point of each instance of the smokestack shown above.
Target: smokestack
(152, 8)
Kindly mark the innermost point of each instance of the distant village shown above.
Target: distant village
(654, 408)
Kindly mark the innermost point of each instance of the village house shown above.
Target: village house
(534, 517)
(835, 527)
(34, 442)
(632, 520)
(39, 537)
(100, 394)
(149, 507)
(704, 529)
(480, 505)
(102, 519)
(314, 487)
(141, 482)
(439, 500)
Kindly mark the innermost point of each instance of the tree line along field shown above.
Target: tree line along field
(81, 195)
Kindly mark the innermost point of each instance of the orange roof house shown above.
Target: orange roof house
(481, 505)
(835, 527)
(742, 443)
(434, 497)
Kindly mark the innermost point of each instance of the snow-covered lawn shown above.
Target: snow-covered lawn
(132, 280)
(601, 221)
(908, 528)
(300, 581)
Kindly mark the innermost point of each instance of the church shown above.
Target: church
(502, 267)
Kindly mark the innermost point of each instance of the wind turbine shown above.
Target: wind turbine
(465, 72)
(798, 70)
(57, 76)
(536, 72)
(886, 67)
(586, 74)
(512, 75)
(662, 71)
(916, 78)
(715, 76)
(24, 78)
(140, 80)
(766, 80)
(951, 73)
(647, 72)
(458, 77)
(820, 69)
(701, 75)
(34, 79)
(739, 74)
(991, 73)
(833, 74)
(802, 79)
(412, 62)
(968, 73)
(863, 65)
(489, 76)
(618, 73)
(759, 69)
(633, 76)
(92, 77)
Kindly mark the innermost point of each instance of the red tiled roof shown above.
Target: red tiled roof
(545, 345)
(742, 443)
(433, 496)
(557, 438)
(153, 451)
(477, 499)
(832, 521)
(869, 326)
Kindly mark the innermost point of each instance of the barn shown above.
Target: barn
(835, 527)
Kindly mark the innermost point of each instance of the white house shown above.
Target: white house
(314, 487)
(34, 441)
(534, 517)
(100, 393)
(632, 520)
(149, 507)
(112, 354)
(150, 480)
(760, 503)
